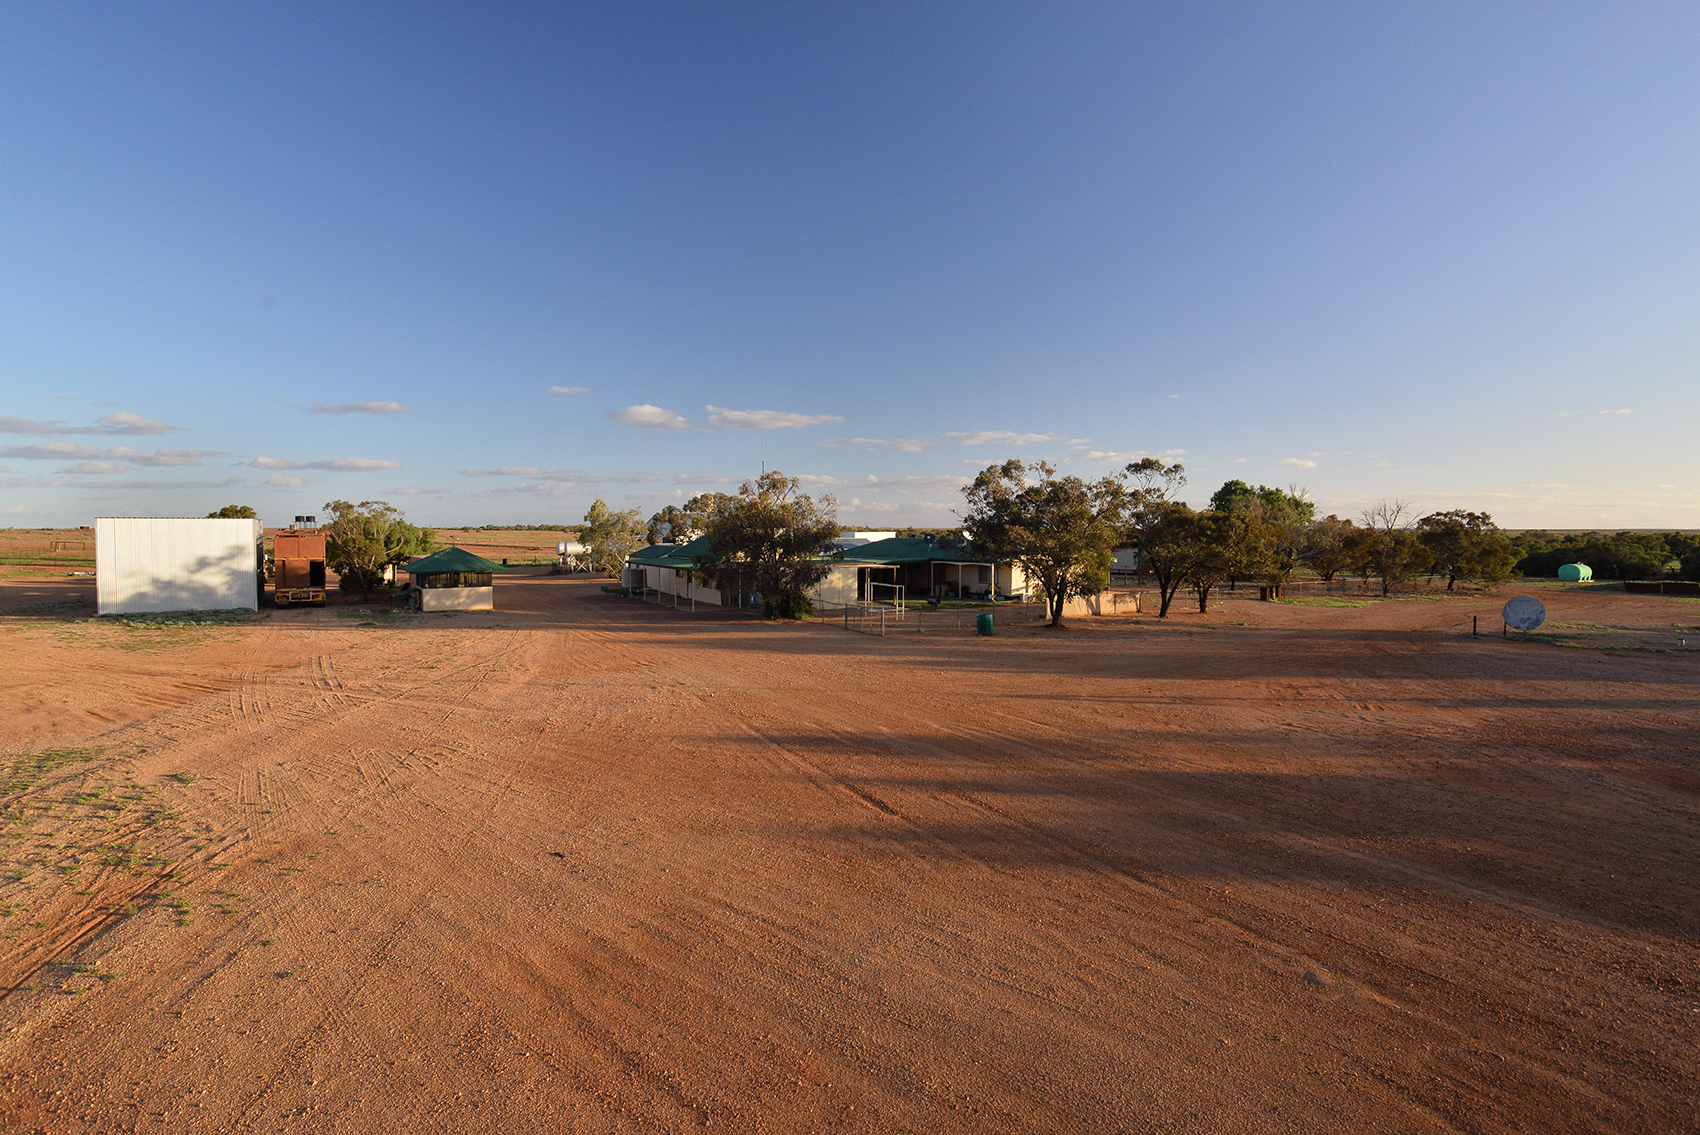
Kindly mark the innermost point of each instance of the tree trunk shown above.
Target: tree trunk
(1204, 600)
(1057, 602)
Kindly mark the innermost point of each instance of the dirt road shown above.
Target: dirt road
(585, 865)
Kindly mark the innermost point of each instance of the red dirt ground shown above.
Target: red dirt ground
(587, 865)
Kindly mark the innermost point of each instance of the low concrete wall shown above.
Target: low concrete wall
(457, 598)
(1104, 603)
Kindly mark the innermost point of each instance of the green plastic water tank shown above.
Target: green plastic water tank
(983, 623)
(1575, 573)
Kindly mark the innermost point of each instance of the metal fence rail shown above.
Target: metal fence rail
(889, 619)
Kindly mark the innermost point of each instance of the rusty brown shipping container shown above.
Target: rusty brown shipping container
(298, 563)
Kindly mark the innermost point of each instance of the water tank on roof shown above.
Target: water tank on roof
(1575, 573)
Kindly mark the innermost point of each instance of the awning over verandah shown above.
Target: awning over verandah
(925, 568)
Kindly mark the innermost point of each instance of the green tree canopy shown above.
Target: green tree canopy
(1289, 505)
(1466, 545)
(680, 524)
(611, 536)
(1330, 546)
(234, 512)
(1062, 531)
(361, 539)
(768, 536)
(1240, 544)
(1162, 529)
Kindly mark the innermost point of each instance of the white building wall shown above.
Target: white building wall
(457, 598)
(161, 563)
(839, 586)
(1012, 581)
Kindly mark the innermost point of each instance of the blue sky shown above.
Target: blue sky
(492, 262)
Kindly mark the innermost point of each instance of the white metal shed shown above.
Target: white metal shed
(176, 563)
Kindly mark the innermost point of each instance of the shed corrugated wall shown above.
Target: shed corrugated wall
(169, 563)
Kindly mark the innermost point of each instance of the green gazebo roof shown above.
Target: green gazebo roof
(451, 559)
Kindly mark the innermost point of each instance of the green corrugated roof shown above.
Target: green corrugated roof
(909, 550)
(451, 559)
(897, 550)
(671, 555)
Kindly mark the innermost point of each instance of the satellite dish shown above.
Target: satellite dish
(1524, 613)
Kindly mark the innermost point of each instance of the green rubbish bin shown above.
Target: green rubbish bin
(983, 623)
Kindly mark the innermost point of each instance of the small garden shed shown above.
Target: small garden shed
(455, 580)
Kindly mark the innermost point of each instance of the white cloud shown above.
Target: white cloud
(705, 479)
(1002, 437)
(65, 450)
(38, 482)
(569, 390)
(416, 491)
(1239, 461)
(361, 408)
(577, 476)
(337, 465)
(164, 456)
(279, 481)
(1133, 455)
(647, 417)
(877, 483)
(1301, 462)
(1617, 411)
(901, 445)
(1174, 396)
(936, 481)
(764, 419)
(539, 488)
(124, 422)
(1080, 441)
(224, 484)
(97, 467)
(857, 505)
(121, 422)
(29, 426)
(1318, 454)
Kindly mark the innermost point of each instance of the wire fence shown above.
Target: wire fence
(874, 618)
(891, 619)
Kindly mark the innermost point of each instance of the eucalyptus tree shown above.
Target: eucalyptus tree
(1061, 531)
(772, 537)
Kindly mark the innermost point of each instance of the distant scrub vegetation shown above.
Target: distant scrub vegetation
(1621, 555)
